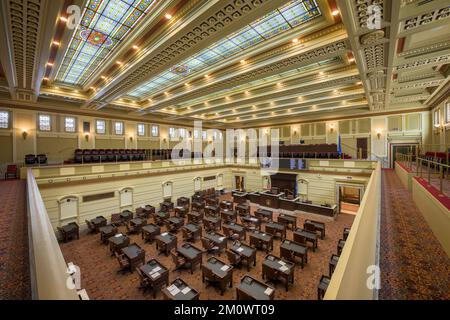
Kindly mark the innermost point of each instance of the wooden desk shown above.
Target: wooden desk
(228, 215)
(192, 254)
(270, 200)
(212, 201)
(315, 226)
(243, 209)
(246, 252)
(239, 197)
(225, 204)
(136, 224)
(303, 237)
(135, 255)
(157, 275)
(107, 232)
(166, 206)
(161, 217)
(291, 249)
(126, 216)
(260, 239)
(250, 221)
(214, 222)
(218, 271)
(183, 202)
(218, 239)
(166, 242)
(212, 210)
(276, 228)
(195, 217)
(180, 290)
(175, 223)
(198, 206)
(288, 220)
(274, 268)
(233, 228)
(117, 242)
(149, 232)
(180, 211)
(195, 229)
(252, 289)
(98, 223)
(70, 230)
(306, 206)
(264, 214)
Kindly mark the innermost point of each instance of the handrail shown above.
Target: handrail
(383, 160)
(441, 169)
(48, 267)
(356, 275)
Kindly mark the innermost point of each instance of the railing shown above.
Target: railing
(359, 151)
(48, 267)
(357, 273)
(421, 166)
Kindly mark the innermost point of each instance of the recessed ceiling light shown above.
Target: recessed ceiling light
(63, 19)
(56, 43)
(103, 77)
(335, 12)
(92, 88)
(295, 40)
(168, 16)
(351, 60)
(119, 62)
(206, 75)
(45, 78)
(166, 93)
(135, 47)
(321, 73)
(242, 61)
(50, 64)
(186, 84)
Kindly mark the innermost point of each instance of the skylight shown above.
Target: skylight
(103, 26)
(276, 22)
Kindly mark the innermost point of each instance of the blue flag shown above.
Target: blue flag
(339, 146)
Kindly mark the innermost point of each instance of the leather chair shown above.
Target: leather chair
(91, 227)
(209, 246)
(178, 260)
(30, 159)
(124, 264)
(144, 282)
(234, 258)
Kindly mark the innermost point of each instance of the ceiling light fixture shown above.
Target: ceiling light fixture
(63, 19)
(168, 16)
(351, 60)
(45, 78)
(56, 43)
(206, 75)
(50, 64)
(335, 12)
(103, 77)
(119, 63)
(243, 61)
(135, 47)
(295, 40)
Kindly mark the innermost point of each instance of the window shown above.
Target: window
(100, 126)
(182, 133)
(196, 134)
(447, 113)
(69, 124)
(4, 119)
(437, 120)
(204, 135)
(44, 122)
(118, 128)
(141, 129)
(155, 131)
(171, 133)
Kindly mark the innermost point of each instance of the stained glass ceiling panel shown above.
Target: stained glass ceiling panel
(276, 22)
(104, 24)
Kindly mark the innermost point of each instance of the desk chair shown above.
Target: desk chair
(144, 282)
(210, 247)
(116, 220)
(124, 264)
(91, 227)
(178, 260)
(234, 258)
(322, 287)
(187, 235)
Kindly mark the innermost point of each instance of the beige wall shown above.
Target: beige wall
(440, 136)
(59, 145)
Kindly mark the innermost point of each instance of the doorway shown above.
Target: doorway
(349, 197)
(361, 143)
(239, 183)
(403, 148)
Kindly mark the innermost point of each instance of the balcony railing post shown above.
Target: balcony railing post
(441, 177)
(429, 172)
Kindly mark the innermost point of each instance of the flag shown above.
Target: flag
(339, 146)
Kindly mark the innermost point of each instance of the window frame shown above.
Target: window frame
(140, 125)
(121, 129)
(8, 119)
(204, 135)
(182, 133)
(447, 113)
(436, 118)
(74, 124)
(157, 130)
(96, 126)
(49, 122)
(172, 132)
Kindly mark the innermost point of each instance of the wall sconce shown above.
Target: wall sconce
(24, 134)
(131, 138)
(86, 136)
(378, 131)
(331, 128)
(164, 140)
(295, 132)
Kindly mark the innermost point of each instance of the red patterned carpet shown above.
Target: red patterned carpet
(100, 278)
(14, 262)
(413, 263)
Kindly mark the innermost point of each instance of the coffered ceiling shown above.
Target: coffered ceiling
(229, 63)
